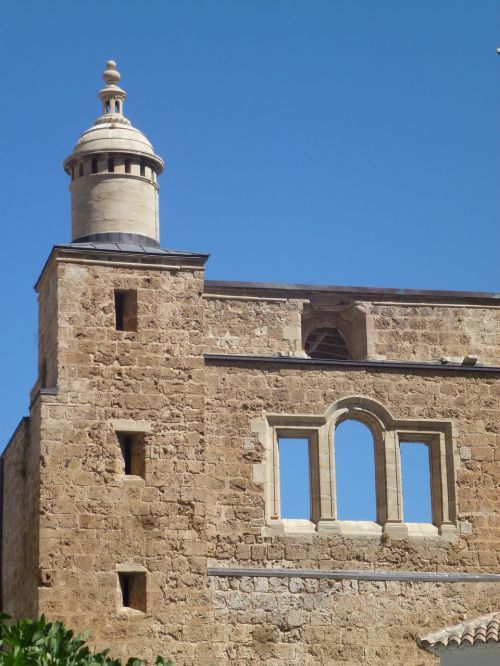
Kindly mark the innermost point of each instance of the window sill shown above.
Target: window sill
(132, 480)
(296, 527)
(446, 532)
(289, 526)
(352, 528)
(127, 612)
(359, 528)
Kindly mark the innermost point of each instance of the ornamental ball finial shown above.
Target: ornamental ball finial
(111, 75)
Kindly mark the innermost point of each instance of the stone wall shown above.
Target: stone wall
(252, 326)
(429, 332)
(200, 502)
(281, 621)
(245, 323)
(95, 520)
(19, 507)
(237, 393)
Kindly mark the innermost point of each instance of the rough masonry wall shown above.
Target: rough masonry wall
(247, 325)
(198, 503)
(280, 621)
(238, 394)
(93, 517)
(20, 522)
(424, 331)
(429, 332)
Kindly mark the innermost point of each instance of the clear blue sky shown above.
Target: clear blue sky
(341, 142)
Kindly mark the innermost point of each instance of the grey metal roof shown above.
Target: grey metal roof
(130, 248)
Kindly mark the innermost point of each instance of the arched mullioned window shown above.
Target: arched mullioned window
(355, 467)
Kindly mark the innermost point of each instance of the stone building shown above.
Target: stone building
(142, 496)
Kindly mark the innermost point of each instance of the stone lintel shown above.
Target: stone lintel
(129, 425)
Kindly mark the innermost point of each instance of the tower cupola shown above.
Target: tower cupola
(114, 170)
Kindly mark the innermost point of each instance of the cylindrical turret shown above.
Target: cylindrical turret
(114, 169)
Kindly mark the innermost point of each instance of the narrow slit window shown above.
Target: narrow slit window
(111, 165)
(133, 453)
(117, 107)
(80, 170)
(127, 166)
(126, 310)
(143, 168)
(94, 166)
(295, 482)
(416, 482)
(125, 589)
(108, 107)
(133, 590)
(126, 446)
(355, 471)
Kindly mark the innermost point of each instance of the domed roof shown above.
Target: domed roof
(115, 137)
(112, 132)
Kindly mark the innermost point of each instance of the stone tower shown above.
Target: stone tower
(114, 171)
(145, 497)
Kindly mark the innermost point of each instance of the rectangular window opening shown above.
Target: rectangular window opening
(127, 165)
(126, 310)
(94, 166)
(133, 590)
(416, 482)
(295, 481)
(133, 453)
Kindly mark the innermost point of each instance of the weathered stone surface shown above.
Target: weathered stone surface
(201, 501)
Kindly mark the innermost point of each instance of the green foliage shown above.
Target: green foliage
(42, 643)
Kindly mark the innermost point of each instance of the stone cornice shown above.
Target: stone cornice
(313, 363)
(369, 294)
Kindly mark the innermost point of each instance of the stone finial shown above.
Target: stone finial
(112, 96)
(111, 75)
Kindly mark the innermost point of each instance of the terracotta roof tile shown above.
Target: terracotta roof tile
(481, 630)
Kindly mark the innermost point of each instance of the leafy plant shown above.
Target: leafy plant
(41, 643)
